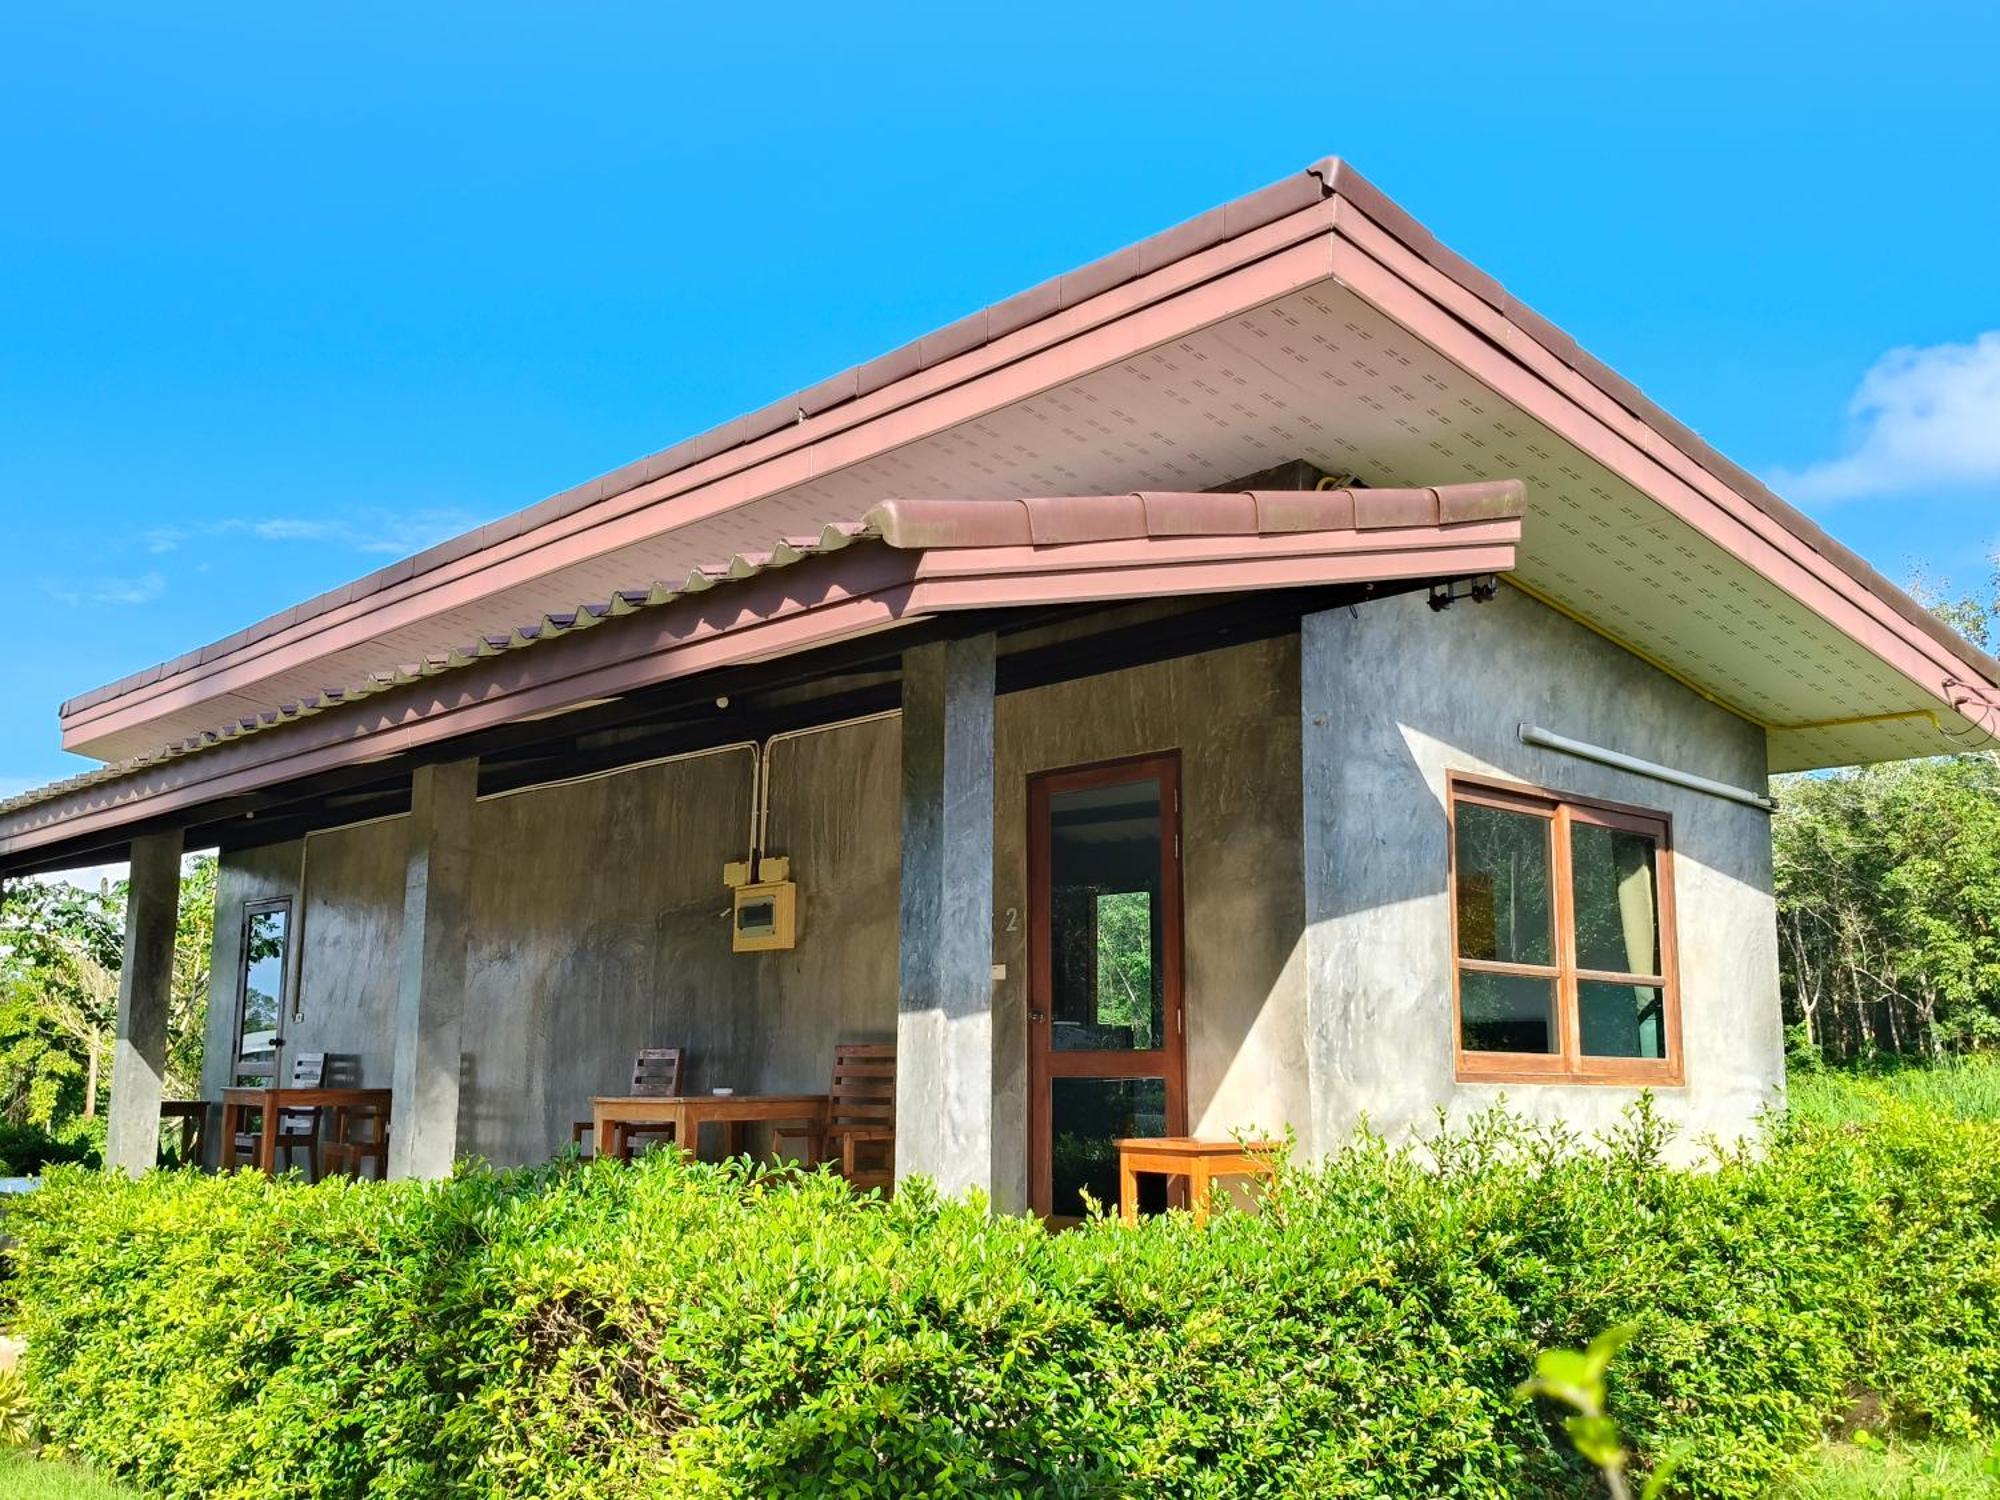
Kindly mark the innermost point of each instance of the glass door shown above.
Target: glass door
(1106, 1029)
(260, 1008)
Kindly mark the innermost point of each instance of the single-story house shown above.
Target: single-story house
(1266, 679)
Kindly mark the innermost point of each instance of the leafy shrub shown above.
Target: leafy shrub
(25, 1150)
(594, 1330)
(14, 1427)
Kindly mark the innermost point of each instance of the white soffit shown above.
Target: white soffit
(1319, 375)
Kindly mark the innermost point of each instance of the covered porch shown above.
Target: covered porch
(1048, 846)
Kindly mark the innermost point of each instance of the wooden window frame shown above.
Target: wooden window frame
(1567, 1064)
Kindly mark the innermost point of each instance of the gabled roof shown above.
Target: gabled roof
(979, 408)
(1313, 320)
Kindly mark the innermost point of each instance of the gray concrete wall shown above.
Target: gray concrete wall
(601, 925)
(349, 939)
(1396, 696)
(346, 886)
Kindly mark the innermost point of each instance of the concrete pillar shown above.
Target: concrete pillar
(431, 985)
(944, 1021)
(145, 988)
(1321, 747)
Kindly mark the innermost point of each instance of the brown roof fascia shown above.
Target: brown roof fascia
(904, 525)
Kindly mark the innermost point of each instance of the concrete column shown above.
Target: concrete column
(430, 994)
(1321, 748)
(145, 987)
(944, 1022)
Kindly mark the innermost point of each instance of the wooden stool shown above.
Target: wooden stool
(1200, 1162)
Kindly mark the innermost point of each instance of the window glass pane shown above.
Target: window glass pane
(1503, 885)
(1085, 1116)
(1506, 1012)
(1617, 899)
(1104, 919)
(263, 992)
(1621, 1020)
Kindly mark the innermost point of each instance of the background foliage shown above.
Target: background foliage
(61, 947)
(586, 1330)
(1888, 883)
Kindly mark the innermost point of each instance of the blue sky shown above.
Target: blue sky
(287, 291)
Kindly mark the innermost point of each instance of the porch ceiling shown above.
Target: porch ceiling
(1334, 331)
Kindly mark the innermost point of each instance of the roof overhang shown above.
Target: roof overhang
(907, 562)
(1313, 320)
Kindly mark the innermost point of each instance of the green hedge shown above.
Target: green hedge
(28, 1150)
(669, 1329)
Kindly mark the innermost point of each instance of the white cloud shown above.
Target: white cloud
(1920, 419)
(376, 530)
(143, 589)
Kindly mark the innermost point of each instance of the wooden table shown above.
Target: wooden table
(193, 1115)
(687, 1113)
(1200, 1162)
(236, 1102)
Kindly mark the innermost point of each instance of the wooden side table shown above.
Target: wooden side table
(1200, 1162)
(611, 1114)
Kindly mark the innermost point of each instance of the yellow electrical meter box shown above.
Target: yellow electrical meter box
(766, 916)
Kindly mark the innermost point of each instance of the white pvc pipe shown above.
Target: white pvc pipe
(1548, 740)
(761, 794)
(609, 771)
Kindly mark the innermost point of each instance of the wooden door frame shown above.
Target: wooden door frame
(1044, 1063)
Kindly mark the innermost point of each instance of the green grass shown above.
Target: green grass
(1839, 1471)
(23, 1478)
(1898, 1471)
(1968, 1089)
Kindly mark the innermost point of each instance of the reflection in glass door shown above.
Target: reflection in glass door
(261, 993)
(1105, 1022)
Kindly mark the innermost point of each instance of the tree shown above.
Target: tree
(61, 949)
(1888, 886)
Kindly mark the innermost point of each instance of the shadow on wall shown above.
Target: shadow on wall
(1415, 711)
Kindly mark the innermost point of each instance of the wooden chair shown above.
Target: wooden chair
(192, 1117)
(861, 1114)
(656, 1074)
(297, 1128)
(360, 1135)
